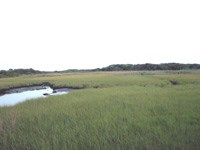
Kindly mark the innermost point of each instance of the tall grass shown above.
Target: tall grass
(125, 111)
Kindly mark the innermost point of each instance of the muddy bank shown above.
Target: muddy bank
(39, 86)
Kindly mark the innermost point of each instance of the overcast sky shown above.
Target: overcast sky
(83, 34)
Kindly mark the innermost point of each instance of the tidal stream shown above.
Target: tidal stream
(18, 95)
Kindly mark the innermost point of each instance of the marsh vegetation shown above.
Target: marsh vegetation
(113, 110)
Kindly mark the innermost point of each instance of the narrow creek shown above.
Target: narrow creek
(18, 95)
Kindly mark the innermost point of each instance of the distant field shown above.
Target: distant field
(112, 110)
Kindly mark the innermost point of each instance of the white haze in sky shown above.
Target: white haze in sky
(58, 35)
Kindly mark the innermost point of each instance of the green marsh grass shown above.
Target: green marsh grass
(112, 111)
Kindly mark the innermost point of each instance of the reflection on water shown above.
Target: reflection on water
(11, 99)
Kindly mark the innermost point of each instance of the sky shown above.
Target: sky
(54, 35)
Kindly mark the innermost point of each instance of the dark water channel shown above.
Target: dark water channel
(18, 95)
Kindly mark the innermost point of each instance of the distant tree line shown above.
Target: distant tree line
(117, 67)
(148, 66)
(17, 72)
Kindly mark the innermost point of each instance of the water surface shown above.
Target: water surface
(18, 95)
